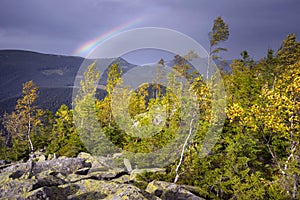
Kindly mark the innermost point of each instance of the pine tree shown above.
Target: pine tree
(64, 139)
(289, 52)
(219, 33)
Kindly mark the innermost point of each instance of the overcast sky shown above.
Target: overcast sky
(60, 27)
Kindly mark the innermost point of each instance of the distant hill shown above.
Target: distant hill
(53, 74)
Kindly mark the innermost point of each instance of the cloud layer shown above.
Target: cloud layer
(60, 27)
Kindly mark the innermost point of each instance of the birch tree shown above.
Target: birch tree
(20, 123)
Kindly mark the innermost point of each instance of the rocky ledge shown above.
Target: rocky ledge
(83, 177)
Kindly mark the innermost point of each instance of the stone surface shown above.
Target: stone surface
(165, 190)
(98, 163)
(83, 177)
(42, 158)
(3, 162)
(122, 179)
(41, 193)
(127, 165)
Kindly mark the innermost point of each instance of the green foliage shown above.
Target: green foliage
(242, 84)
(289, 52)
(41, 134)
(85, 113)
(3, 147)
(256, 157)
(64, 139)
(219, 33)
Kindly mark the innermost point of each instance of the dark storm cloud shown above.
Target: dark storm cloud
(254, 25)
(258, 25)
(62, 26)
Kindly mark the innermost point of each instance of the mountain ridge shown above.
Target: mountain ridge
(53, 74)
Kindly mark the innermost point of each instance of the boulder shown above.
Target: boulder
(126, 191)
(127, 165)
(20, 178)
(165, 190)
(15, 187)
(7, 164)
(99, 189)
(41, 193)
(65, 166)
(97, 175)
(48, 178)
(98, 163)
(42, 158)
(3, 162)
(83, 177)
(108, 175)
(122, 179)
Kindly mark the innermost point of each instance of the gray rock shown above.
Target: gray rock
(41, 193)
(47, 178)
(98, 175)
(62, 157)
(108, 175)
(126, 191)
(3, 162)
(165, 190)
(83, 171)
(117, 155)
(65, 166)
(98, 163)
(127, 165)
(90, 189)
(42, 158)
(122, 179)
(84, 177)
(15, 187)
(94, 189)
(22, 178)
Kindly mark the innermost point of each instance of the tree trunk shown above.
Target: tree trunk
(29, 128)
(182, 152)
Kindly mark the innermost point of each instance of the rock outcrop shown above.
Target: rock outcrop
(83, 177)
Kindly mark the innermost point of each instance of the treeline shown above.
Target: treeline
(256, 157)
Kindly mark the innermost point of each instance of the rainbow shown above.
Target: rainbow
(86, 47)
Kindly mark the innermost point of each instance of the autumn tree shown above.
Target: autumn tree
(272, 122)
(85, 118)
(103, 106)
(20, 123)
(91, 115)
